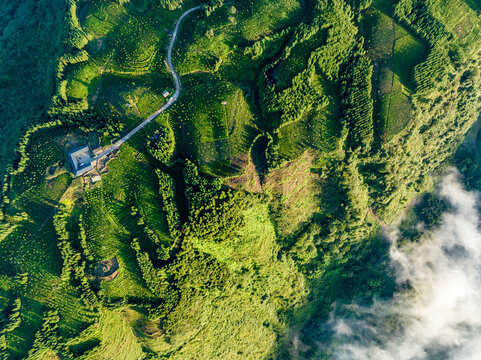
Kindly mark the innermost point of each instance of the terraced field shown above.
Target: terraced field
(394, 52)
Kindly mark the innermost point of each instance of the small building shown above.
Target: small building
(81, 160)
(165, 93)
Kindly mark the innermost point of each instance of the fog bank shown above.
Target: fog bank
(438, 316)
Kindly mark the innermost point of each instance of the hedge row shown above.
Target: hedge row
(417, 14)
(157, 282)
(167, 192)
(162, 250)
(356, 101)
(73, 267)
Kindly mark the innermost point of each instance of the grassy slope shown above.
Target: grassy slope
(118, 339)
(32, 246)
(394, 52)
(244, 321)
(131, 181)
(215, 121)
(296, 191)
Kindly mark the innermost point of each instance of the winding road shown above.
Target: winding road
(172, 99)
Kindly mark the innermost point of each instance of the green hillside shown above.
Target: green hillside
(227, 226)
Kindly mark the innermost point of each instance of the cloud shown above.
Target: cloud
(439, 317)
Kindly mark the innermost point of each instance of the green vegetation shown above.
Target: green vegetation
(226, 227)
(214, 122)
(161, 144)
(394, 53)
(28, 71)
(356, 102)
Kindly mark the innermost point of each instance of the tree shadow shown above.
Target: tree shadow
(474, 5)
(258, 156)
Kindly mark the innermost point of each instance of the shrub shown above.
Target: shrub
(161, 144)
(214, 212)
(167, 191)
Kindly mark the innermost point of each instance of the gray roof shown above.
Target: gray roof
(81, 160)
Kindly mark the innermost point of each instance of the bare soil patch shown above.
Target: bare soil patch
(107, 270)
(296, 189)
(463, 28)
(249, 180)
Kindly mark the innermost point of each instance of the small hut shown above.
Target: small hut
(81, 160)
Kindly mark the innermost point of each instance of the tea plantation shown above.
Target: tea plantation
(228, 226)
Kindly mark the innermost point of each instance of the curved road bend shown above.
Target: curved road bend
(168, 103)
